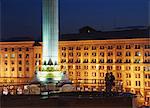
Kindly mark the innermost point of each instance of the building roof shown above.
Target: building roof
(104, 35)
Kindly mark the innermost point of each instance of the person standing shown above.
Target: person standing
(112, 79)
(107, 82)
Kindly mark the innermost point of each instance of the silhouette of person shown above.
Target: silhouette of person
(112, 79)
(107, 82)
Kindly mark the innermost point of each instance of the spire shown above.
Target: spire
(50, 62)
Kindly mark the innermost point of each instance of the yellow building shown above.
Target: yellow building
(86, 62)
(17, 61)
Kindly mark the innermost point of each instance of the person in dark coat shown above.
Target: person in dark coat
(107, 82)
(112, 80)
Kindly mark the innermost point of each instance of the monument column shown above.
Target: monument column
(50, 31)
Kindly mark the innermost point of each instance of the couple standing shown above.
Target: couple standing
(109, 81)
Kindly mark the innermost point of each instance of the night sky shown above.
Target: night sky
(22, 18)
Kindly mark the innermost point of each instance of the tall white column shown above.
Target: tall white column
(50, 30)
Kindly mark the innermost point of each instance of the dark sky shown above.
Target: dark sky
(22, 18)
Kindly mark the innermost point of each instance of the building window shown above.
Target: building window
(102, 54)
(110, 61)
(27, 62)
(93, 47)
(146, 69)
(137, 68)
(78, 73)
(70, 67)
(147, 53)
(119, 61)
(110, 47)
(20, 55)
(12, 49)
(36, 55)
(5, 49)
(85, 74)
(6, 69)
(128, 53)
(27, 49)
(128, 83)
(94, 54)
(78, 54)
(119, 53)
(147, 61)
(101, 67)
(86, 81)
(110, 53)
(119, 47)
(64, 48)
(69, 61)
(40, 62)
(20, 62)
(78, 67)
(85, 54)
(128, 61)
(147, 83)
(101, 61)
(93, 67)
(19, 49)
(64, 61)
(85, 67)
(12, 62)
(128, 75)
(20, 68)
(118, 67)
(12, 69)
(78, 48)
(102, 74)
(63, 54)
(137, 61)
(12, 55)
(71, 54)
(86, 48)
(93, 61)
(147, 76)
(70, 73)
(27, 69)
(85, 61)
(128, 68)
(137, 53)
(27, 55)
(6, 62)
(101, 47)
(93, 81)
(137, 83)
(137, 75)
(119, 75)
(128, 47)
(78, 61)
(39, 55)
(147, 46)
(70, 48)
(109, 67)
(137, 46)
(6, 55)
(93, 74)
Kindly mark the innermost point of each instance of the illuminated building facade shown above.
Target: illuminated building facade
(86, 61)
(17, 61)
